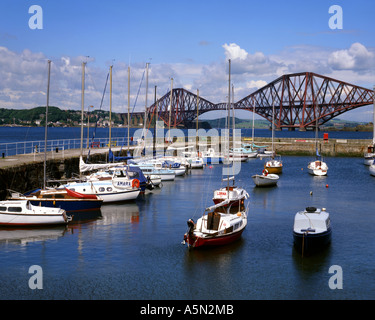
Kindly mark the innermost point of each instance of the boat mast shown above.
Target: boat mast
(253, 123)
(145, 119)
(128, 108)
(46, 126)
(233, 130)
(316, 133)
(82, 103)
(228, 116)
(273, 120)
(373, 121)
(170, 111)
(197, 125)
(155, 121)
(110, 106)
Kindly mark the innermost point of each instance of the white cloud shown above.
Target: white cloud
(23, 75)
(256, 84)
(233, 51)
(357, 57)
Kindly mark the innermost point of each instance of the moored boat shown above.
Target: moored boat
(312, 229)
(23, 213)
(265, 179)
(274, 166)
(372, 169)
(216, 227)
(317, 168)
(107, 190)
(65, 199)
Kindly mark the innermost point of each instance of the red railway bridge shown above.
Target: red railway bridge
(299, 100)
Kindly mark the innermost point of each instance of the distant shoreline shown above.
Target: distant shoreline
(360, 127)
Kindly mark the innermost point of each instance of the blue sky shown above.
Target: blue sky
(187, 40)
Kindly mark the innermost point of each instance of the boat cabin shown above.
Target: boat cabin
(311, 220)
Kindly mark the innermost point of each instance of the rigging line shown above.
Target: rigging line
(96, 123)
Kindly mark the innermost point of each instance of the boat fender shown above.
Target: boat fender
(265, 172)
(135, 183)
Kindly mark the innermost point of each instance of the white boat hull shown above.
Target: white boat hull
(29, 215)
(317, 168)
(261, 180)
(369, 159)
(311, 229)
(105, 191)
(372, 170)
(156, 180)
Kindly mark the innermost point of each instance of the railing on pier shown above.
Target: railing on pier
(29, 147)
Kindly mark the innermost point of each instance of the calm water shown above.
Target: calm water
(134, 251)
(20, 134)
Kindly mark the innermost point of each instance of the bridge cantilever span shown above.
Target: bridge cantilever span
(300, 100)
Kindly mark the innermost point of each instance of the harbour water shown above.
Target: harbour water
(133, 251)
(20, 134)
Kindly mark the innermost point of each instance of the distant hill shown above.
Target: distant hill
(334, 124)
(58, 117)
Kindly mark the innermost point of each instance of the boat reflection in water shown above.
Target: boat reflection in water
(23, 236)
(126, 213)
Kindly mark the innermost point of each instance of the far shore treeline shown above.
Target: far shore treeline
(35, 117)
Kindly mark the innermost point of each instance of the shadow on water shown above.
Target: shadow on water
(212, 254)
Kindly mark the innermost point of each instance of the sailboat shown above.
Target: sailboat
(219, 224)
(107, 190)
(274, 165)
(234, 194)
(58, 198)
(369, 156)
(317, 167)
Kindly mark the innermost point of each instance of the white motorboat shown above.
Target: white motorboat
(317, 168)
(312, 229)
(216, 227)
(265, 179)
(23, 213)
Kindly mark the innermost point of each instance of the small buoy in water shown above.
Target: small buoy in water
(210, 167)
(311, 193)
(301, 168)
(327, 185)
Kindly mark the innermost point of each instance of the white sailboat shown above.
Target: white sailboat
(274, 165)
(317, 167)
(219, 225)
(107, 190)
(235, 195)
(369, 156)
